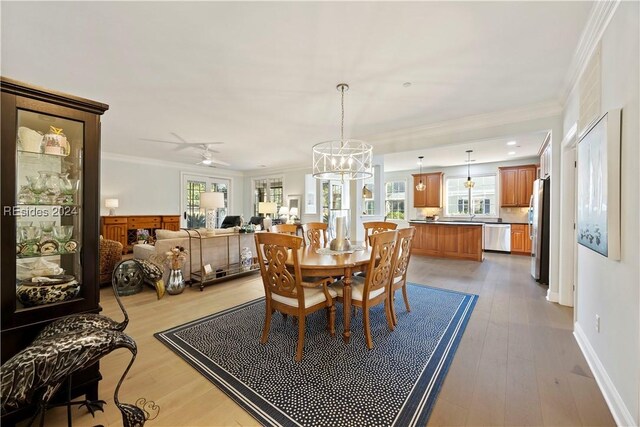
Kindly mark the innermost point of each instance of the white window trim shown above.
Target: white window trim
(406, 195)
(454, 215)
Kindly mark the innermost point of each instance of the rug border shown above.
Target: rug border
(246, 397)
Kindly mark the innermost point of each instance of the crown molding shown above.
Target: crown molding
(209, 171)
(599, 18)
(471, 123)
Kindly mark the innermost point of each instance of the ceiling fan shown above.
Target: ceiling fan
(183, 143)
(208, 160)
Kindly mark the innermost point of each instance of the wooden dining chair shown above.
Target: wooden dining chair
(400, 263)
(284, 289)
(369, 291)
(285, 229)
(373, 227)
(315, 234)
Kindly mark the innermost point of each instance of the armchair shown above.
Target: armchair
(110, 255)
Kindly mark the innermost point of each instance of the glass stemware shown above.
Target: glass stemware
(47, 228)
(68, 188)
(29, 234)
(62, 233)
(52, 186)
(36, 185)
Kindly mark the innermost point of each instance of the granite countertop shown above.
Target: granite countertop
(420, 221)
(479, 222)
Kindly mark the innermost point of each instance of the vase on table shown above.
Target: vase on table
(175, 283)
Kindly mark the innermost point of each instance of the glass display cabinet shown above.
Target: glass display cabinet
(50, 212)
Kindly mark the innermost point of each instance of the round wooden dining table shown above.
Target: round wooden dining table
(313, 264)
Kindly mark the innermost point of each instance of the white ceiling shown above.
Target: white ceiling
(484, 151)
(261, 76)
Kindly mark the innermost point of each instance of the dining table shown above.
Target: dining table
(314, 264)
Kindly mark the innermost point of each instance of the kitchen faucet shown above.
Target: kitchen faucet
(472, 216)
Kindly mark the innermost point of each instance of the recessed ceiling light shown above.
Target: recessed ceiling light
(406, 84)
(511, 143)
(511, 153)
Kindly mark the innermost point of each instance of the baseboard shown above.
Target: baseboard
(553, 296)
(618, 409)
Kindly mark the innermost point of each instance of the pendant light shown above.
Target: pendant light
(468, 183)
(342, 159)
(420, 186)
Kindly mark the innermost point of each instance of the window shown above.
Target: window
(334, 196)
(267, 190)
(395, 199)
(481, 198)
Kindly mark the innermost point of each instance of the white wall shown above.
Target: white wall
(608, 288)
(145, 187)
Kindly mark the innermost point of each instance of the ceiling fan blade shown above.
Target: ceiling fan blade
(220, 162)
(181, 139)
(160, 140)
(181, 147)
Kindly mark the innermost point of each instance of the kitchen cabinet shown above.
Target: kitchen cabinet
(520, 242)
(50, 200)
(516, 185)
(462, 241)
(431, 196)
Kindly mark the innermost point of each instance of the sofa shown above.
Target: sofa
(214, 248)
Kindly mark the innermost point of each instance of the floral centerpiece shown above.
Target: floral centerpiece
(142, 235)
(176, 257)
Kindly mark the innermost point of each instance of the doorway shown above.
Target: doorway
(191, 187)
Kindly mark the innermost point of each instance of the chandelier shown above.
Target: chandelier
(420, 186)
(342, 159)
(468, 183)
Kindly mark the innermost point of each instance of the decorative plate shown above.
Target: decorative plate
(48, 247)
(71, 246)
(54, 279)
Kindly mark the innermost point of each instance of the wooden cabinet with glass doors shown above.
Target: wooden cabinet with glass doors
(49, 191)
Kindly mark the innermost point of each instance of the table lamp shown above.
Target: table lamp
(111, 204)
(267, 208)
(293, 215)
(283, 212)
(210, 202)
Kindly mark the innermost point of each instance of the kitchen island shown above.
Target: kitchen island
(444, 239)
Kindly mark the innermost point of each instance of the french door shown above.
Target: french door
(192, 186)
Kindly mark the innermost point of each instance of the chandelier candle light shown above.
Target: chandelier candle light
(340, 243)
(420, 186)
(468, 183)
(342, 159)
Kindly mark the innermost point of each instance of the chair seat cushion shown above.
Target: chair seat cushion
(312, 296)
(357, 288)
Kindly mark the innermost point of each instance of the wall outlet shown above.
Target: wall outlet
(597, 323)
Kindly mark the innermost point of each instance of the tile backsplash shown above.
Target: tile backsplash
(514, 215)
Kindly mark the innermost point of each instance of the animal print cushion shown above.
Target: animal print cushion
(152, 274)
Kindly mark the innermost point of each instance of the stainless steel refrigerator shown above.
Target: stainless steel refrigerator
(539, 220)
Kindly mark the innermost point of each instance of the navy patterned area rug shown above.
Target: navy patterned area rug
(335, 384)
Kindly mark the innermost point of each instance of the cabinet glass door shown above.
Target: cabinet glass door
(49, 171)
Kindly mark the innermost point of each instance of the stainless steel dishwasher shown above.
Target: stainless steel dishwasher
(497, 237)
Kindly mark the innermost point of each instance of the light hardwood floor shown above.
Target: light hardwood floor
(517, 363)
